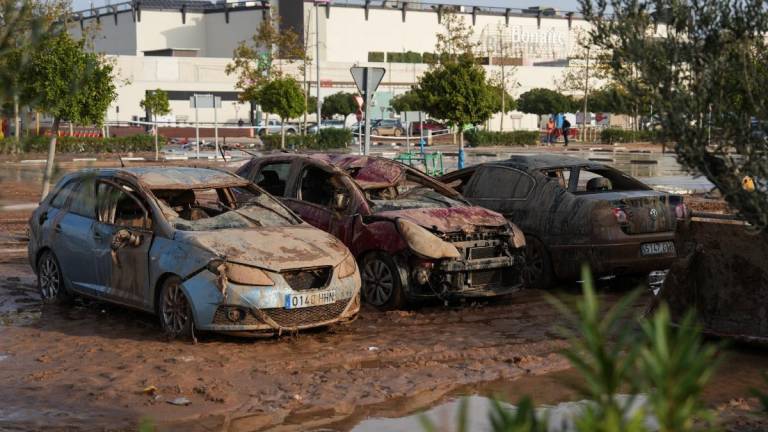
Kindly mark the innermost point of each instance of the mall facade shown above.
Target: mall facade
(183, 47)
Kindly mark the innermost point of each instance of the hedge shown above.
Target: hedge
(327, 139)
(376, 56)
(613, 135)
(480, 138)
(67, 144)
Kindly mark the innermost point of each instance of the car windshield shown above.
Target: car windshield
(410, 192)
(210, 209)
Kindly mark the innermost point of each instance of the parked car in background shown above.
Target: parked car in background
(275, 127)
(195, 246)
(426, 125)
(326, 124)
(388, 127)
(575, 211)
(413, 236)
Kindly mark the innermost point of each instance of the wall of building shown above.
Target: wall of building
(222, 38)
(160, 29)
(108, 37)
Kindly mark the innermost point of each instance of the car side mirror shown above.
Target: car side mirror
(340, 201)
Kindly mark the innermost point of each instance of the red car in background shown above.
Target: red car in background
(426, 125)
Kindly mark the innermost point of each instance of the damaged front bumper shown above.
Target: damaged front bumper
(246, 308)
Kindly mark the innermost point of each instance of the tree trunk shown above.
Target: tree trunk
(49, 163)
(157, 146)
(282, 133)
(16, 124)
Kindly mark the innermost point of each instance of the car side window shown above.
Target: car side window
(273, 177)
(316, 186)
(502, 183)
(460, 181)
(117, 205)
(60, 200)
(84, 199)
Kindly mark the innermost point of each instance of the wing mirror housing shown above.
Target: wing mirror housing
(340, 201)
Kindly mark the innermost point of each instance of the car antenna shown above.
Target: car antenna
(223, 157)
(122, 164)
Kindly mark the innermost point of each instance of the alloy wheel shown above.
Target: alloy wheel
(175, 310)
(378, 282)
(50, 278)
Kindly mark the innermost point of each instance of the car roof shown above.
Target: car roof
(541, 161)
(173, 177)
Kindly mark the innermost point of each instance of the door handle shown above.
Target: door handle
(57, 228)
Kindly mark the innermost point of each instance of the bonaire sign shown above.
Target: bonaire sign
(530, 40)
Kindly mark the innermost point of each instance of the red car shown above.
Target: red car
(428, 124)
(413, 236)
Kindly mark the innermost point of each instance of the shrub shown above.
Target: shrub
(429, 57)
(376, 56)
(67, 144)
(480, 138)
(326, 139)
(613, 135)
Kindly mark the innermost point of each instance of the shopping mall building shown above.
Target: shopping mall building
(183, 47)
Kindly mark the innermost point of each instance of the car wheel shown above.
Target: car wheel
(262, 133)
(50, 281)
(290, 132)
(537, 271)
(175, 312)
(382, 285)
(398, 132)
(374, 131)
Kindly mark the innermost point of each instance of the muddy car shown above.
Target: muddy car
(413, 236)
(575, 211)
(202, 248)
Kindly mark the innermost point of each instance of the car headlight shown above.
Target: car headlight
(518, 238)
(425, 243)
(240, 274)
(347, 268)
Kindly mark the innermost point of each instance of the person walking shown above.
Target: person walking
(550, 130)
(566, 130)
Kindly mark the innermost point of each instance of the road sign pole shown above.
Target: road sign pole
(215, 131)
(197, 130)
(367, 118)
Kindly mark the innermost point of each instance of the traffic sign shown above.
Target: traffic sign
(367, 80)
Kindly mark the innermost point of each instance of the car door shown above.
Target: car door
(123, 235)
(503, 189)
(272, 175)
(76, 225)
(69, 237)
(312, 196)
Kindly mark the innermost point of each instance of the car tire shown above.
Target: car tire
(262, 133)
(50, 281)
(175, 311)
(382, 282)
(537, 271)
(290, 132)
(374, 131)
(398, 132)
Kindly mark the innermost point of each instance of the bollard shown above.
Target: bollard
(421, 146)
(461, 158)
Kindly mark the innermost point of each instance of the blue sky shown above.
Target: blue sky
(568, 5)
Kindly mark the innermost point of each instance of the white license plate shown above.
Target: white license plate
(659, 248)
(296, 301)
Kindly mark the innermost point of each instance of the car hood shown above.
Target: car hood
(275, 248)
(451, 219)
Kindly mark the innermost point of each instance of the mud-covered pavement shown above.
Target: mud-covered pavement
(86, 365)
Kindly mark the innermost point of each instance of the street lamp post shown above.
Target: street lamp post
(317, 57)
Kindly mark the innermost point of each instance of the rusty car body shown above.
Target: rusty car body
(576, 211)
(202, 248)
(413, 236)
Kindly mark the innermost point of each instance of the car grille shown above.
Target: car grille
(286, 317)
(474, 236)
(307, 279)
(308, 315)
(483, 252)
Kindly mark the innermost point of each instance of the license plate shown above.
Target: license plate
(659, 248)
(296, 301)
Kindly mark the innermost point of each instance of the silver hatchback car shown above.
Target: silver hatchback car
(202, 248)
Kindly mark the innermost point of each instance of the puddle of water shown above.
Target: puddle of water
(560, 417)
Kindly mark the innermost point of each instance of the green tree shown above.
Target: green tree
(338, 103)
(285, 97)
(24, 24)
(156, 102)
(703, 66)
(456, 90)
(542, 101)
(68, 83)
(407, 101)
(610, 99)
(502, 100)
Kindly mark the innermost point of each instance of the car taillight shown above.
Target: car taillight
(681, 211)
(620, 215)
